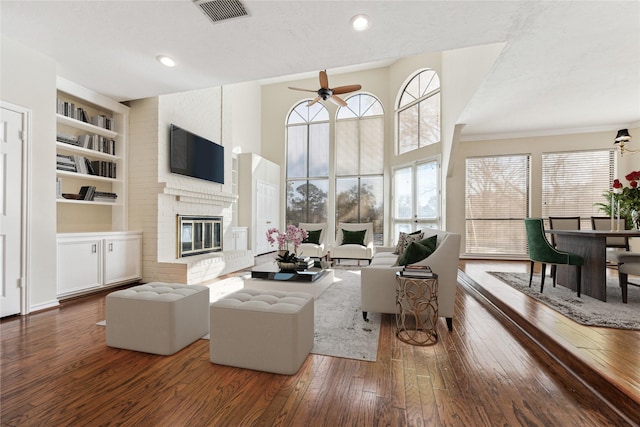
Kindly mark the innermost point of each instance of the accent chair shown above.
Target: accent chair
(353, 241)
(315, 246)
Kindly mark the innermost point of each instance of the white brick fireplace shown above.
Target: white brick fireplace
(157, 196)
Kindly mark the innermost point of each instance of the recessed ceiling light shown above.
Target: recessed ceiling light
(360, 22)
(166, 61)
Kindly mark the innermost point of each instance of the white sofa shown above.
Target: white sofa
(352, 251)
(378, 280)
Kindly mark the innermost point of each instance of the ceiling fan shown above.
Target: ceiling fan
(325, 92)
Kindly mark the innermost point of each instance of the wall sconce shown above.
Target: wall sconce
(621, 138)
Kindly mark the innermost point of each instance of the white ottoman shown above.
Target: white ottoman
(159, 318)
(264, 330)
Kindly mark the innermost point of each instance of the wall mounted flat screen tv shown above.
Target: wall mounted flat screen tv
(195, 156)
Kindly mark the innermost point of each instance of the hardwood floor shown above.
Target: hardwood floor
(56, 370)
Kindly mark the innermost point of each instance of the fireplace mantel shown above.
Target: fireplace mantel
(218, 198)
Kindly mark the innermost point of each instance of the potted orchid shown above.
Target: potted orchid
(292, 236)
(627, 198)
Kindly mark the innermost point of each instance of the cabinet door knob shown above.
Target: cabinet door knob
(94, 248)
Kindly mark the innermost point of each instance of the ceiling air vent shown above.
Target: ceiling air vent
(221, 10)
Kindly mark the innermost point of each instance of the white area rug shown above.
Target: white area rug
(585, 310)
(340, 330)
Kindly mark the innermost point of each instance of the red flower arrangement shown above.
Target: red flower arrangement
(628, 197)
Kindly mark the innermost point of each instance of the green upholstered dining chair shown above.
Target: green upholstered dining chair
(540, 250)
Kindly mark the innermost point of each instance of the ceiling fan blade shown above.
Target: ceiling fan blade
(305, 90)
(344, 89)
(337, 100)
(324, 80)
(310, 103)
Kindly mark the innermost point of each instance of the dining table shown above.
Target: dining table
(592, 246)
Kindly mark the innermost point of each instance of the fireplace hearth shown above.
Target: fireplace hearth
(199, 235)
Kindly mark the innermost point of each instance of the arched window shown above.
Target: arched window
(307, 182)
(360, 163)
(419, 112)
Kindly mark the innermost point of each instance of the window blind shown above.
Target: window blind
(497, 201)
(572, 182)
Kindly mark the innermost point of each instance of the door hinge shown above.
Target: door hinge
(21, 282)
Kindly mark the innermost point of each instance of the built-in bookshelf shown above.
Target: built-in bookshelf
(91, 146)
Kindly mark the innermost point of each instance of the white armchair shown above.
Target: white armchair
(312, 249)
(344, 250)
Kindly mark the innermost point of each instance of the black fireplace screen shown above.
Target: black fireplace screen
(199, 235)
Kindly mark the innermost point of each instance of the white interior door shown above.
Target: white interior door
(11, 151)
(267, 214)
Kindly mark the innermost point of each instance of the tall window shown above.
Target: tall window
(307, 164)
(573, 182)
(497, 202)
(416, 197)
(419, 112)
(360, 163)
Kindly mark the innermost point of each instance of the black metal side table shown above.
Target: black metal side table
(417, 309)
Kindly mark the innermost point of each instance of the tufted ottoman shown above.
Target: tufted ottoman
(159, 318)
(264, 330)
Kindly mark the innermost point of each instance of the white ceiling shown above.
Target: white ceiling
(566, 65)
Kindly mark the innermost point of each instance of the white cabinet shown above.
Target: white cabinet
(79, 264)
(90, 261)
(239, 238)
(122, 256)
(259, 199)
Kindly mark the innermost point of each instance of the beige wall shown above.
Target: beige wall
(461, 73)
(467, 68)
(535, 147)
(28, 80)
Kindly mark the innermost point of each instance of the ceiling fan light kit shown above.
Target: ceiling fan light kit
(326, 93)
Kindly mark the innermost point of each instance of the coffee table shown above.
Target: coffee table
(267, 276)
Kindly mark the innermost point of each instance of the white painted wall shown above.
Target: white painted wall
(28, 79)
(245, 103)
(534, 146)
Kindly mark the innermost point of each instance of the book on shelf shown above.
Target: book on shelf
(104, 168)
(65, 163)
(67, 139)
(96, 143)
(104, 196)
(102, 121)
(58, 187)
(87, 192)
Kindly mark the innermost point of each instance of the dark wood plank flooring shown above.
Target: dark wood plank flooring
(56, 370)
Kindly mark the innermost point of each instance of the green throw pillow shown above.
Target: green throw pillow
(430, 242)
(416, 251)
(313, 237)
(353, 237)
